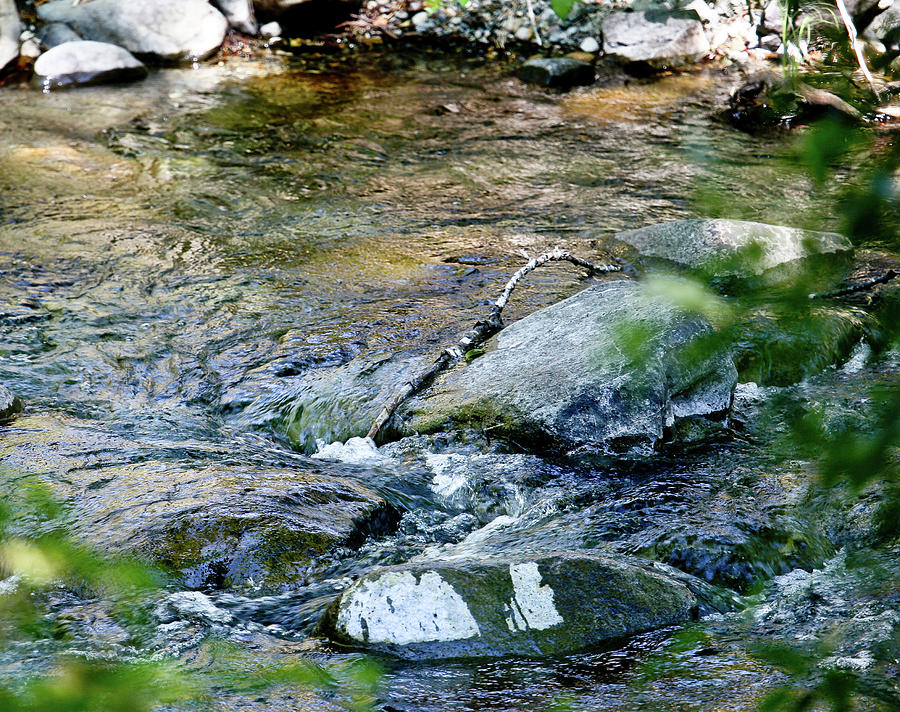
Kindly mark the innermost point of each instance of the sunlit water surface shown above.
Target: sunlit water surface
(175, 252)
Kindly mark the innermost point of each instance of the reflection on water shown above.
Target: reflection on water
(175, 252)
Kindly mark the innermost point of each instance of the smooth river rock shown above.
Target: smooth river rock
(731, 246)
(549, 605)
(559, 72)
(656, 37)
(10, 29)
(566, 377)
(86, 62)
(175, 30)
(215, 516)
(9, 404)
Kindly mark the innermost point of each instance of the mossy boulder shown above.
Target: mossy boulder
(732, 247)
(214, 516)
(600, 370)
(547, 605)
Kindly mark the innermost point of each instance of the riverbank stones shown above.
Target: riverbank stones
(215, 518)
(599, 370)
(658, 38)
(85, 62)
(549, 605)
(171, 30)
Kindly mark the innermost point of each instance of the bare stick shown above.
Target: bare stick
(537, 35)
(479, 333)
(856, 44)
(858, 287)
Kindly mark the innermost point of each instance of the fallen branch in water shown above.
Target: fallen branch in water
(856, 45)
(858, 287)
(479, 333)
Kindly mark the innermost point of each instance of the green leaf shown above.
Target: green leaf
(562, 7)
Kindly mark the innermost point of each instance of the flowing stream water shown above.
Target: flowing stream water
(177, 255)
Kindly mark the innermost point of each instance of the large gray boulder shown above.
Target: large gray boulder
(565, 375)
(656, 37)
(215, 516)
(548, 605)
(175, 30)
(731, 246)
(10, 29)
(86, 62)
(9, 404)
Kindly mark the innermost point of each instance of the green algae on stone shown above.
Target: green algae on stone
(547, 605)
(217, 522)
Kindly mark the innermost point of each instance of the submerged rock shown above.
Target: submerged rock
(10, 29)
(217, 518)
(179, 30)
(550, 605)
(566, 375)
(731, 246)
(9, 404)
(768, 100)
(656, 37)
(85, 62)
(558, 72)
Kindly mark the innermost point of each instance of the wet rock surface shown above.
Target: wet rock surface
(9, 404)
(558, 72)
(561, 377)
(174, 30)
(217, 521)
(85, 62)
(730, 246)
(546, 606)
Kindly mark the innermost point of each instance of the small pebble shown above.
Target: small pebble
(420, 18)
(270, 29)
(589, 45)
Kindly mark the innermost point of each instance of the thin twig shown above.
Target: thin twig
(856, 44)
(479, 333)
(858, 287)
(537, 35)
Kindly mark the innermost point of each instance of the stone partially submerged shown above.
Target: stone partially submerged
(599, 370)
(84, 62)
(731, 246)
(216, 520)
(548, 605)
(9, 404)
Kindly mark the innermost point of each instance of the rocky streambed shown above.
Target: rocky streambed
(203, 280)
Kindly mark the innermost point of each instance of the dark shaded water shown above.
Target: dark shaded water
(177, 255)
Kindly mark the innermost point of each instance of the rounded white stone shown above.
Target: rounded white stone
(589, 45)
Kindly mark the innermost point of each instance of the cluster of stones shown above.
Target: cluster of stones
(97, 41)
(628, 31)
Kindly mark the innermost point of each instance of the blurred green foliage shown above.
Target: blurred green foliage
(40, 560)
